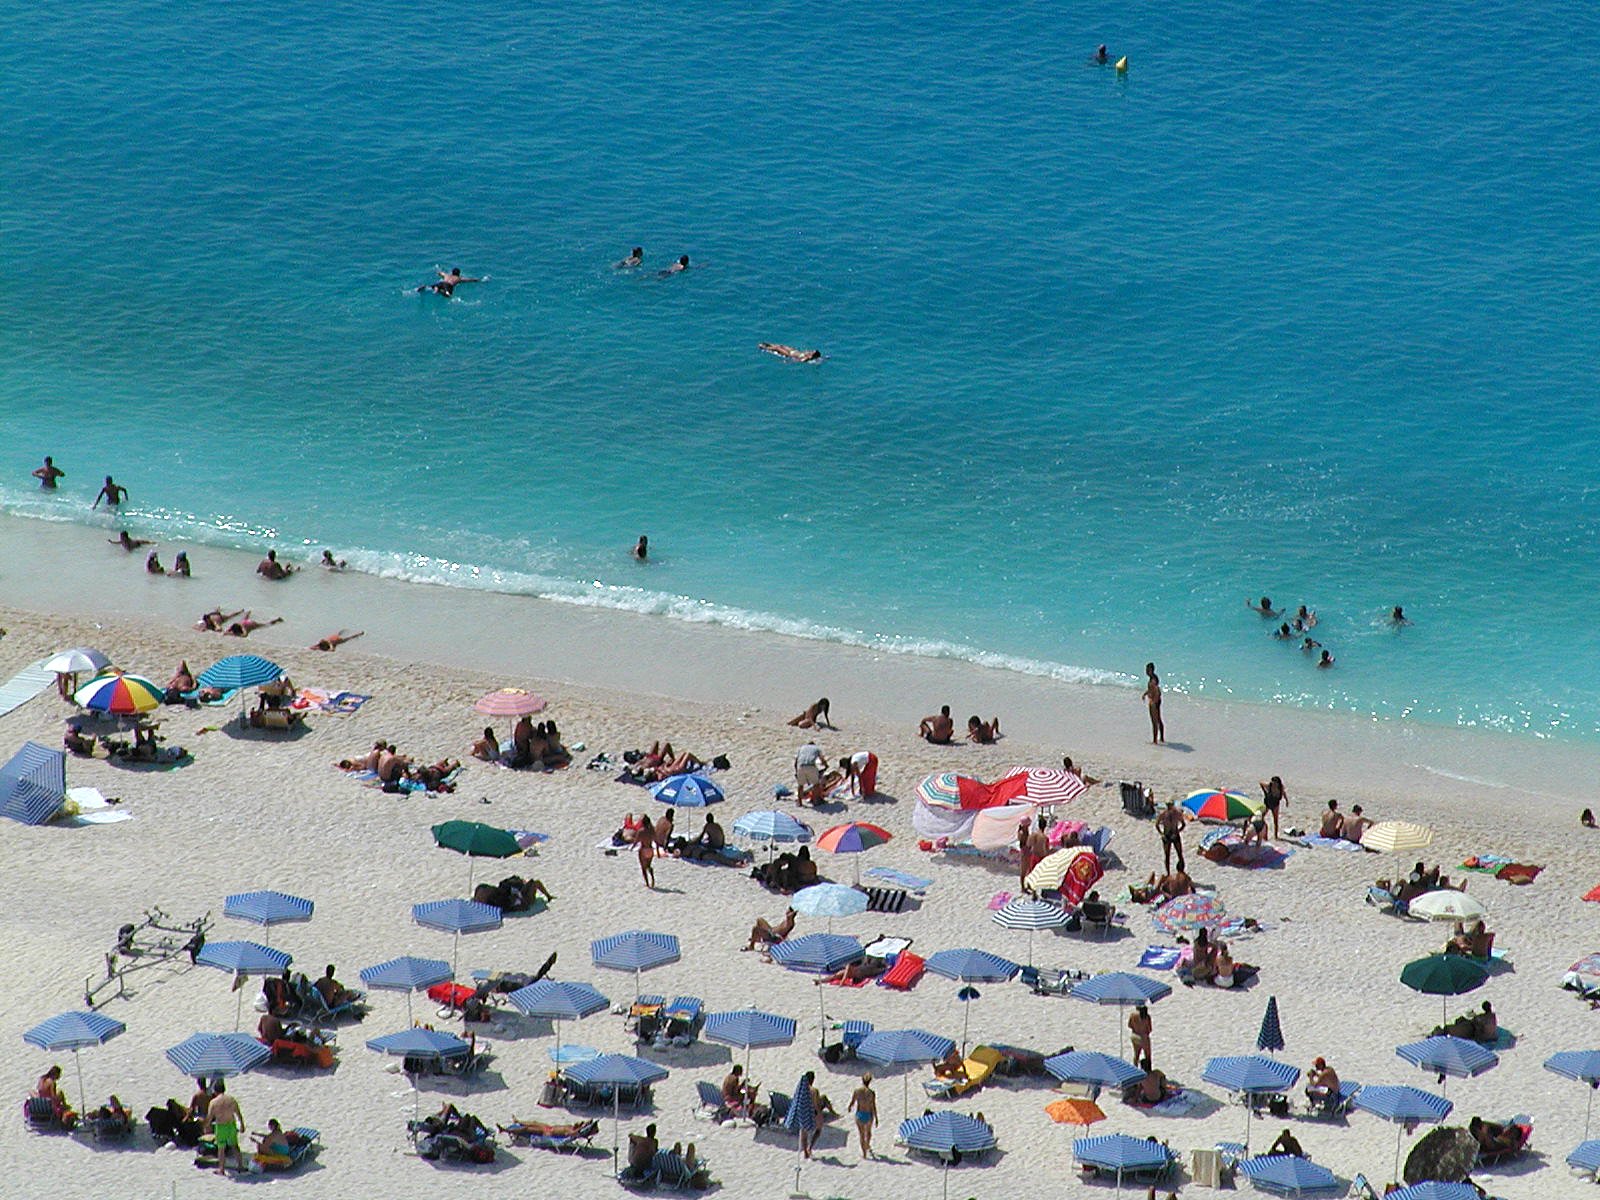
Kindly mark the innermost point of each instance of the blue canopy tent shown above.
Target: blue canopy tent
(33, 784)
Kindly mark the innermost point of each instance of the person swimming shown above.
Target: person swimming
(635, 257)
(1283, 633)
(1326, 660)
(1310, 644)
(330, 563)
(641, 548)
(1398, 617)
(789, 352)
(681, 265)
(1101, 56)
(1264, 607)
(128, 542)
(180, 565)
(447, 282)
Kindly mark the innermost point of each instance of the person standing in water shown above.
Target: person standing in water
(48, 474)
(641, 548)
(112, 493)
(1152, 699)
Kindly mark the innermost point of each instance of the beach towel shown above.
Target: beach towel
(1485, 864)
(905, 879)
(835, 981)
(528, 839)
(998, 901)
(325, 700)
(1176, 1104)
(886, 900)
(1319, 842)
(1159, 958)
(86, 806)
(1518, 873)
(24, 686)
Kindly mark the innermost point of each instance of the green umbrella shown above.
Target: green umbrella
(475, 840)
(1443, 975)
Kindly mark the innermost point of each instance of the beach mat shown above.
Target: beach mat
(1159, 958)
(913, 883)
(24, 686)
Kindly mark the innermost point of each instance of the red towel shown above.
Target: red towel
(903, 976)
(454, 994)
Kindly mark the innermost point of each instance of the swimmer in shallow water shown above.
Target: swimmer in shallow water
(1326, 660)
(1284, 633)
(789, 352)
(128, 542)
(1264, 607)
(681, 265)
(635, 257)
(330, 563)
(447, 282)
(1101, 56)
(641, 549)
(1398, 617)
(180, 565)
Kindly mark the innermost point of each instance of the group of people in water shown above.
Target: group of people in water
(1299, 627)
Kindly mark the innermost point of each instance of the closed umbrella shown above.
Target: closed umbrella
(1583, 1066)
(1121, 988)
(687, 791)
(33, 784)
(902, 1049)
(1404, 1106)
(74, 1031)
(1397, 837)
(237, 672)
(242, 959)
(1443, 975)
(617, 1071)
(1250, 1075)
(1271, 1036)
(475, 840)
(267, 909)
(456, 917)
(1090, 1066)
(1447, 904)
(1021, 912)
(406, 974)
(636, 951)
(558, 1002)
(1446, 1155)
(1289, 1175)
(213, 1054)
(1448, 1056)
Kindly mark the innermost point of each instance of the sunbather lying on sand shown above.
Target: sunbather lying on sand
(248, 625)
(216, 620)
(951, 1066)
(857, 972)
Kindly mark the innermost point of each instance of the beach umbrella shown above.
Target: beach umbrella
(853, 837)
(213, 1054)
(1446, 1155)
(1447, 904)
(1250, 1075)
(1583, 1066)
(74, 1031)
(33, 784)
(617, 1071)
(750, 1028)
(902, 1049)
(80, 660)
(1121, 988)
(1079, 863)
(509, 702)
(817, 953)
(1405, 1107)
(1271, 1036)
(237, 672)
(267, 909)
(118, 693)
(572, 1053)
(1021, 912)
(1434, 1189)
(971, 965)
(456, 917)
(687, 791)
(1188, 914)
(829, 900)
(1443, 975)
(242, 959)
(1396, 837)
(475, 840)
(1045, 786)
(1445, 1055)
(558, 1002)
(951, 1135)
(1214, 804)
(767, 825)
(1289, 1175)
(942, 790)
(416, 1043)
(1586, 1156)
(1074, 1112)
(1090, 1066)
(1120, 1152)
(635, 951)
(406, 974)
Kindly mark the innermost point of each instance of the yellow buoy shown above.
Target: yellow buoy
(1122, 65)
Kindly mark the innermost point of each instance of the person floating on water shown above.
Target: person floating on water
(789, 352)
(448, 281)
(635, 257)
(681, 265)
(48, 474)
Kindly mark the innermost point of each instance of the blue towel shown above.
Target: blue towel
(1312, 839)
(1159, 958)
(906, 880)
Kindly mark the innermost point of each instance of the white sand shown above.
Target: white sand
(254, 811)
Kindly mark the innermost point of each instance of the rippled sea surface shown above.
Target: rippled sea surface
(1303, 305)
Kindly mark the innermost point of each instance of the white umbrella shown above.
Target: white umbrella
(77, 661)
(1447, 904)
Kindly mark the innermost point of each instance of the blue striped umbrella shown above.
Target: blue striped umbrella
(242, 958)
(687, 791)
(74, 1031)
(817, 953)
(558, 1002)
(637, 950)
(239, 671)
(748, 1027)
(406, 974)
(213, 1054)
(1287, 1175)
(1404, 1106)
(1435, 1189)
(456, 917)
(1445, 1055)
(972, 966)
(419, 1043)
(1024, 912)
(267, 909)
(1271, 1036)
(942, 1132)
(771, 826)
(1121, 988)
(1585, 1155)
(1250, 1074)
(1089, 1066)
(616, 1071)
(33, 783)
(1583, 1066)
(903, 1048)
(1120, 1152)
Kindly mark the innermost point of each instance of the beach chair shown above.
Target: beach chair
(1337, 1106)
(108, 1128)
(1098, 840)
(709, 1104)
(638, 1179)
(303, 1147)
(1361, 1189)
(673, 1174)
(976, 1069)
(1523, 1124)
(683, 1019)
(314, 1008)
(886, 899)
(541, 1135)
(1097, 915)
(40, 1116)
(1136, 800)
(1047, 981)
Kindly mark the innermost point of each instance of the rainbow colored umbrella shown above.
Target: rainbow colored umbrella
(1212, 804)
(852, 837)
(1186, 914)
(118, 693)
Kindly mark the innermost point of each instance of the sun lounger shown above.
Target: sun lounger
(40, 1116)
(314, 1008)
(1523, 1124)
(668, 1026)
(708, 1102)
(1334, 1106)
(109, 1128)
(673, 1174)
(976, 1069)
(303, 1146)
(886, 899)
(543, 1135)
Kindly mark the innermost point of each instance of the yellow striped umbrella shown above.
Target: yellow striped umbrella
(1397, 837)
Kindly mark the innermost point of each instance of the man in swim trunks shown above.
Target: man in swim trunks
(226, 1123)
(112, 493)
(1170, 826)
(1152, 699)
(789, 352)
(448, 282)
(681, 265)
(635, 257)
(48, 474)
(270, 568)
(938, 728)
(1264, 607)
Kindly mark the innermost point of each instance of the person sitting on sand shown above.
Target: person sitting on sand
(73, 741)
(1332, 821)
(270, 1028)
(708, 843)
(951, 1066)
(182, 681)
(764, 933)
(789, 352)
(814, 717)
(128, 542)
(247, 625)
(329, 563)
(939, 728)
(152, 564)
(1287, 1144)
(1322, 1083)
(1473, 942)
(1153, 1088)
(633, 828)
(270, 568)
(983, 733)
(1073, 769)
(488, 746)
(1586, 818)
(1354, 825)
(1263, 606)
(805, 871)
(1485, 1025)
(334, 640)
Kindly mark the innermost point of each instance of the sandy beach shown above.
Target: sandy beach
(253, 810)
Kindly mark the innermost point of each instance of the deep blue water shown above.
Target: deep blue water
(1302, 305)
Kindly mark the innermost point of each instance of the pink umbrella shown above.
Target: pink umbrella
(510, 702)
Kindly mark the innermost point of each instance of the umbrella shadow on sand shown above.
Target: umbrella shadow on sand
(504, 1160)
(251, 733)
(457, 1088)
(693, 1057)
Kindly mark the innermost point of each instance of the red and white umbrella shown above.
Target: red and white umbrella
(510, 702)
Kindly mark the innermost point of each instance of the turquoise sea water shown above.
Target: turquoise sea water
(1303, 305)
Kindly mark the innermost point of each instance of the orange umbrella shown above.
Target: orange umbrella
(1074, 1112)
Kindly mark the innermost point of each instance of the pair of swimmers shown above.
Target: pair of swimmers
(635, 259)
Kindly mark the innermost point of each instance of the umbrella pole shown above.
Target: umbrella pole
(1399, 1132)
(238, 1004)
(1587, 1109)
(966, 1020)
(822, 1019)
(83, 1096)
(616, 1124)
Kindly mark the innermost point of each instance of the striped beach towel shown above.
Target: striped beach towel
(24, 686)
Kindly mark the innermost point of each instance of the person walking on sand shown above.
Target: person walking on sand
(1152, 699)
(1273, 798)
(864, 1104)
(48, 474)
(226, 1122)
(112, 493)
(1139, 1028)
(647, 854)
(1170, 826)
